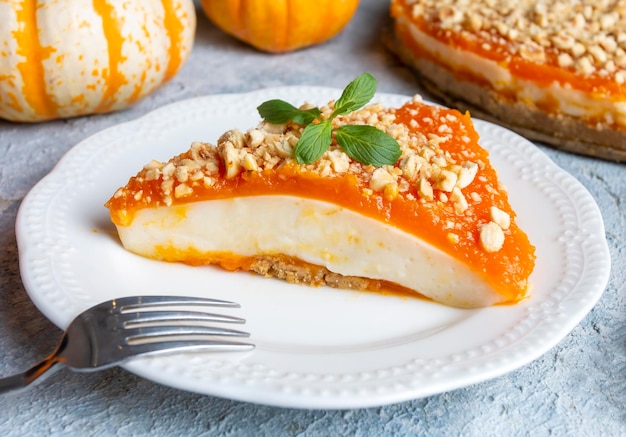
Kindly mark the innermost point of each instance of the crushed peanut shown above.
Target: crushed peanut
(500, 217)
(453, 238)
(491, 237)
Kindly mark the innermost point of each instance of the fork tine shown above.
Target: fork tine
(140, 334)
(187, 345)
(126, 304)
(110, 332)
(152, 317)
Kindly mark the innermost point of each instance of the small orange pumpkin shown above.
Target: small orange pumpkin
(278, 26)
(67, 58)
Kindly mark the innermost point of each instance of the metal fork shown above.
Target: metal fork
(109, 333)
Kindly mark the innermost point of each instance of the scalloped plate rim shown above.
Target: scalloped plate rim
(260, 391)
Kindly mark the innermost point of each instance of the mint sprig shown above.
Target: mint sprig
(363, 143)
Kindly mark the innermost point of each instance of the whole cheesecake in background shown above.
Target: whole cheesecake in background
(437, 222)
(555, 71)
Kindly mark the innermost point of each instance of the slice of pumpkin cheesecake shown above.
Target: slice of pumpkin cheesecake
(553, 71)
(436, 222)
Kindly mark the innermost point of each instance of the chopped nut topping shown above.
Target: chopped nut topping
(182, 173)
(459, 200)
(166, 186)
(585, 38)
(152, 165)
(168, 170)
(380, 179)
(491, 237)
(152, 174)
(447, 180)
(467, 173)
(453, 238)
(425, 189)
(182, 190)
(500, 217)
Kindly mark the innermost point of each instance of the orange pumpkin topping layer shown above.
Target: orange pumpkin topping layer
(564, 59)
(441, 197)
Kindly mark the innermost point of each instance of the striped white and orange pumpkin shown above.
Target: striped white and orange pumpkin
(64, 58)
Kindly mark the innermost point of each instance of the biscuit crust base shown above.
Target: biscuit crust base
(562, 132)
(299, 272)
(296, 271)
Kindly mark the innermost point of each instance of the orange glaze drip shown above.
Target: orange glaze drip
(31, 69)
(113, 77)
(542, 74)
(507, 270)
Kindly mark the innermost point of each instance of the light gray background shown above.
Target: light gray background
(576, 389)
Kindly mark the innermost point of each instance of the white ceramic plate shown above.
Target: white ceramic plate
(316, 348)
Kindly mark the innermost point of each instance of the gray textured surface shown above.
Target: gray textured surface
(577, 388)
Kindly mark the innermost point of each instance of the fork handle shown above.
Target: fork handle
(23, 380)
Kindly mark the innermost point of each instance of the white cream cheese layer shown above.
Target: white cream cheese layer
(316, 232)
(570, 102)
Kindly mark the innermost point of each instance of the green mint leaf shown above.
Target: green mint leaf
(277, 111)
(306, 116)
(314, 142)
(356, 95)
(368, 145)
